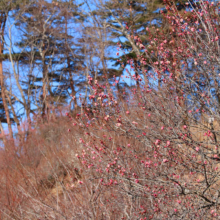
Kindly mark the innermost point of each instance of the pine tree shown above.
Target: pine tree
(126, 21)
(6, 7)
(49, 45)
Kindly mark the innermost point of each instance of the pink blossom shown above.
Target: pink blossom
(136, 181)
(165, 160)
(118, 124)
(157, 142)
(179, 201)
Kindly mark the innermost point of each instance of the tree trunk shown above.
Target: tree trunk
(3, 93)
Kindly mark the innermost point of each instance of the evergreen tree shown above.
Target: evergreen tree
(6, 7)
(50, 46)
(126, 21)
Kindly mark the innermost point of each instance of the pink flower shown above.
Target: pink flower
(117, 53)
(106, 118)
(178, 201)
(157, 142)
(165, 160)
(118, 124)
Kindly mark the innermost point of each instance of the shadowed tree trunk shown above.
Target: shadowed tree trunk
(3, 18)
